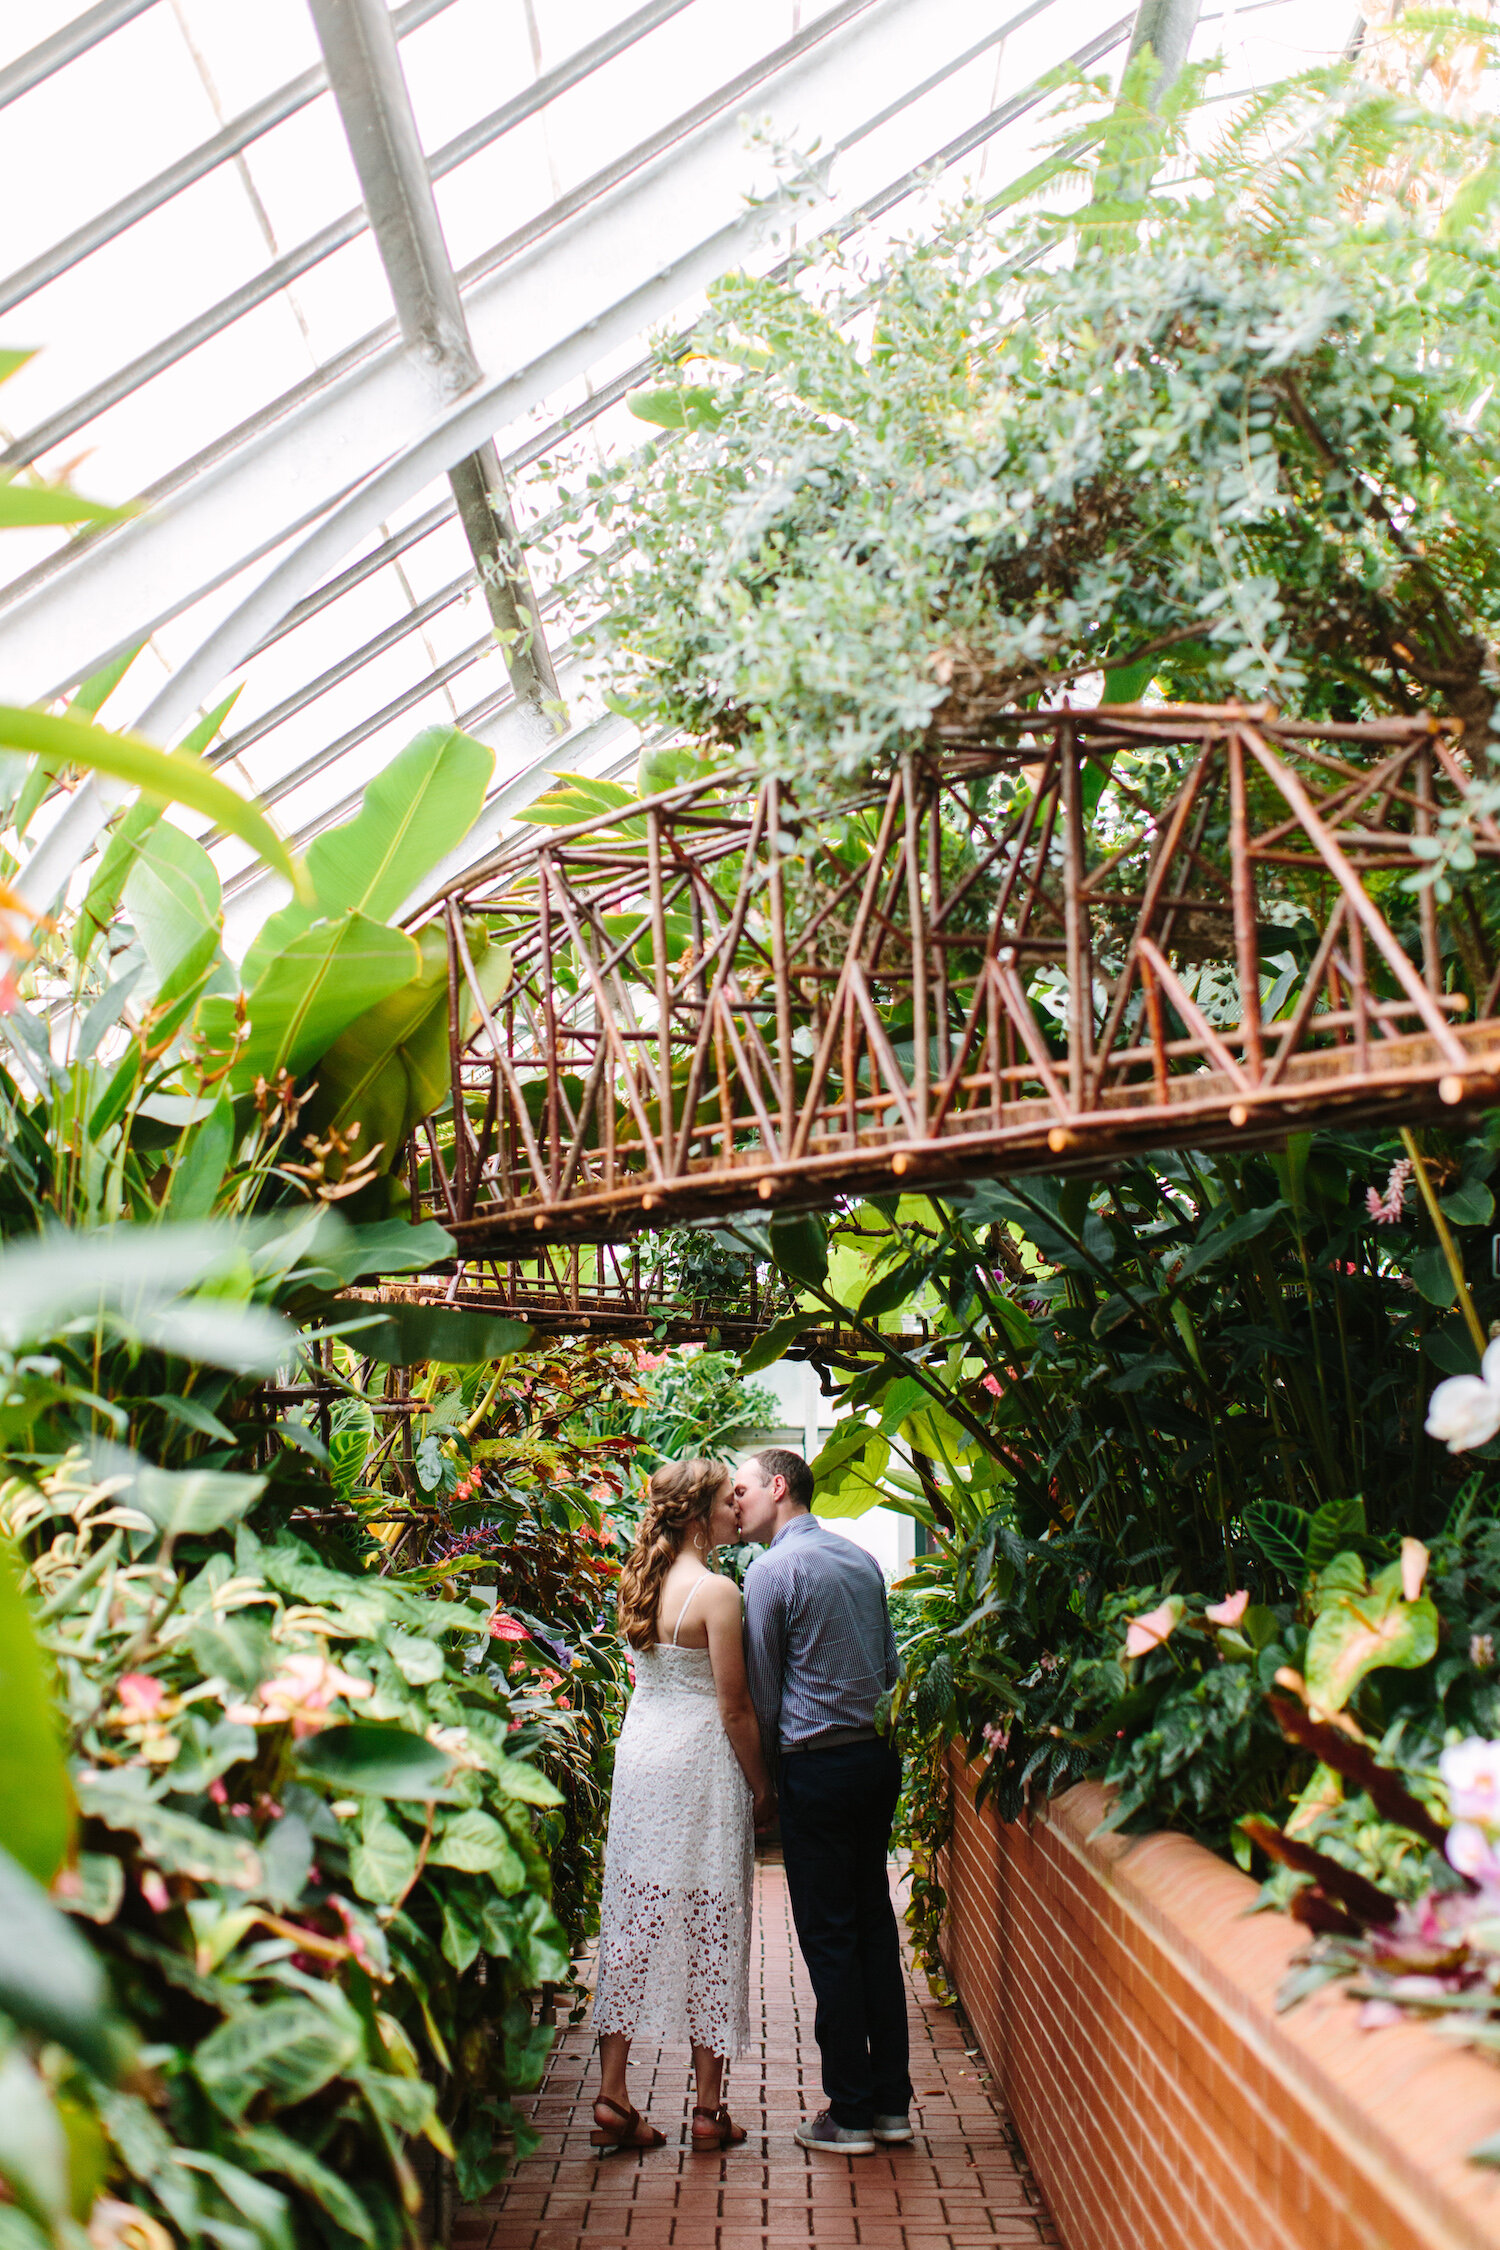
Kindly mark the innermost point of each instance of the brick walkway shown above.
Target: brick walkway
(962, 2185)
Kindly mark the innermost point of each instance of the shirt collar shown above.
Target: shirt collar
(798, 1524)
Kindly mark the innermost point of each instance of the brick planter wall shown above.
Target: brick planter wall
(1126, 2006)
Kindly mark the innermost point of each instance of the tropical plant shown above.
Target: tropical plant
(1241, 440)
(303, 1820)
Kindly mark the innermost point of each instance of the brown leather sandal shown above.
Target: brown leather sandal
(633, 2132)
(718, 2133)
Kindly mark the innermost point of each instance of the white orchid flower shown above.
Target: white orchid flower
(1465, 1411)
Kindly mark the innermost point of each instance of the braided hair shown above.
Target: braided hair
(679, 1497)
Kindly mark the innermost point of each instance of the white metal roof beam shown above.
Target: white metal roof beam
(282, 271)
(363, 63)
(241, 133)
(65, 46)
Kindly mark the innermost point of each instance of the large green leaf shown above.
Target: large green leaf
(477, 1845)
(407, 1335)
(284, 2048)
(314, 989)
(413, 814)
(799, 1244)
(271, 2150)
(265, 2207)
(173, 897)
(775, 1343)
(50, 1979)
(390, 1069)
(33, 2146)
(1359, 1632)
(36, 1801)
(382, 1857)
(97, 912)
(198, 1173)
(180, 1501)
(376, 1761)
(177, 1842)
(136, 1273)
(383, 1248)
(172, 775)
(847, 1473)
(525, 1784)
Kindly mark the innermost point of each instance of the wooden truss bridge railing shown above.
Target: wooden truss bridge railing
(720, 1003)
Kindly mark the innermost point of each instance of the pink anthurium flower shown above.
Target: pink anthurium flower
(1156, 1627)
(1413, 1567)
(1230, 1610)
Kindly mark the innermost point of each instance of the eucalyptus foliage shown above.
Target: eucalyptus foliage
(1238, 436)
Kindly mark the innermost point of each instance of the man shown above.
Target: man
(819, 1654)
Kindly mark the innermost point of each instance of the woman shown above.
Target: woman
(690, 1788)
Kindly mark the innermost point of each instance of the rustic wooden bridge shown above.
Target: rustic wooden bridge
(721, 1003)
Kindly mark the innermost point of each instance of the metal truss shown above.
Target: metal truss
(603, 1294)
(718, 1004)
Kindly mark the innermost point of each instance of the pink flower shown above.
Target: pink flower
(989, 1383)
(218, 1792)
(1386, 1209)
(1469, 1850)
(300, 1693)
(507, 1629)
(1229, 1611)
(141, 1695)
(154, 1891)
(1375, 2015)
(995, 1738)
(354, 1936)
(650, 1361)
(1154, 1629)
(1413, 1567)
(1471, 1772)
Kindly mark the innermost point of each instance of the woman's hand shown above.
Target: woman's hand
(764, 1811)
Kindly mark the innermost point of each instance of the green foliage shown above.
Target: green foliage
(317, 1818)
(693, 1404)
(1240, 437)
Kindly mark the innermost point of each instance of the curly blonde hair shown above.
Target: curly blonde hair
(679, 1497)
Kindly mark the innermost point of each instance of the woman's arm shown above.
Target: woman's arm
(726, 1653)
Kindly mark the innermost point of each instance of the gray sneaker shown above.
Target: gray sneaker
(838, 2140)
(894, 2128)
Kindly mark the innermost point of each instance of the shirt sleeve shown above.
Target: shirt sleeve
(892, 1658)
(765, 1650)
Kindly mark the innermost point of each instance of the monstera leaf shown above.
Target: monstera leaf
(1360, 1628)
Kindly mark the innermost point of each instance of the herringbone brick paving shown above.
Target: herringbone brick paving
(962, 2185)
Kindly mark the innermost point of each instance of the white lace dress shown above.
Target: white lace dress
(674, 1921)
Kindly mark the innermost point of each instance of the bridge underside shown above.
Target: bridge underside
(720, 1004)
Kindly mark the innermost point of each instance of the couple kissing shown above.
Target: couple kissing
(743, 1709)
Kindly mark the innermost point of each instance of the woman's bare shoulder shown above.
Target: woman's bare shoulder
(722, 1597)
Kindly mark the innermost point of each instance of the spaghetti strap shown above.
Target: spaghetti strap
(687, 1605)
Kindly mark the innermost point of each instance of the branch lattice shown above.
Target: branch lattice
(719, 1003)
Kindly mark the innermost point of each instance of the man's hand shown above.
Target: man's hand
(765, 1812)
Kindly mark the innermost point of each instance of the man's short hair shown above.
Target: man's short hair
(780, 1461)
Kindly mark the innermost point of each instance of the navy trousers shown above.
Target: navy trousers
(836, 1812)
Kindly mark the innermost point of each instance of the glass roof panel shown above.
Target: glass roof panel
(188, 249)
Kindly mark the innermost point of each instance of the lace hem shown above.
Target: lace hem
(673, 1964)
